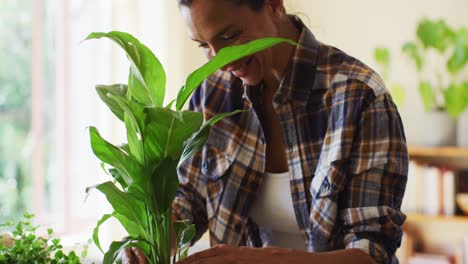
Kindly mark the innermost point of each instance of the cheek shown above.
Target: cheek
(264, 61)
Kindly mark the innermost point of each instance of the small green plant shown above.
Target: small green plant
(25, 246)
(383, 58)
(159, 139)
(449, 90)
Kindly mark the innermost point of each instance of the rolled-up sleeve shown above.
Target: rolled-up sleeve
(378, 167)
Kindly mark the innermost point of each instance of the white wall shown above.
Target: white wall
(356, 27)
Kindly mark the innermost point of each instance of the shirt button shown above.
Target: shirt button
(205, 166)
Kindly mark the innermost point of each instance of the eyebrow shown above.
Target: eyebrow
(221, 32)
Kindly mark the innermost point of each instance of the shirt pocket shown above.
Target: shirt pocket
(327, 181)
(215, 163)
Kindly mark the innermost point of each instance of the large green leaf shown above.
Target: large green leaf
(147, 74)
(427, 95)
(116, 248)
(115, 157)
(435, 34)
(184, 233)
(132, 228)
(412, 51)
(459, 58)
(96, 230)
(119, 90)
(140, 189)
(168, 130)
(225, 56)
(134, 119)
(125, 205)
(165, 183)
(143, 245)
(180, 226)
(455, 100)
(117, 175)
(170, 104)
(198, 139)
(187, 235)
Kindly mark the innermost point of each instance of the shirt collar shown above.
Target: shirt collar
(299, 82)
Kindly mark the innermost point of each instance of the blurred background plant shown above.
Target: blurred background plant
(382, 57)
(24, 245)
(15, 107)
(440, 55)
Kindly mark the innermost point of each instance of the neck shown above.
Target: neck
(283, 55)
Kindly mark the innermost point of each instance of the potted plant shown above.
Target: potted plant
(159, 138)
(382, 57)
(23, 245)
(440, 54)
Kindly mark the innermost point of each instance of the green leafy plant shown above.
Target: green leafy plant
(452, 48)
(383, 58)
(159, 139)
(25, 246)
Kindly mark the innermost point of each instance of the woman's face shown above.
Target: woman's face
(215, 24)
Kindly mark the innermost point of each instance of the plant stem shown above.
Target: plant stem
(163, 242)
(167, 236)
(150, 222)
(168, 232)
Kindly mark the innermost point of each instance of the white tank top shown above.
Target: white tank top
(273, 209)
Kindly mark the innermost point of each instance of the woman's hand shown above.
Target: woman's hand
(133, 256)
(7, 240)
(225, 254)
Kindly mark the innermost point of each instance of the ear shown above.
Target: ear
(276, 6)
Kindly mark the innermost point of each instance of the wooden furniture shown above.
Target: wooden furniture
(449, 157)
(438, 234)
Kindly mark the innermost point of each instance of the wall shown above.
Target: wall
(353, 26)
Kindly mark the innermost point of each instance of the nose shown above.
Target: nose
(211, 53)
(213, 50)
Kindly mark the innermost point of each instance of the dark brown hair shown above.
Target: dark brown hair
(255, 5)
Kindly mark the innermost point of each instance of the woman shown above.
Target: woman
(318, 163)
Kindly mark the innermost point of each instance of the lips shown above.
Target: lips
(240, 70)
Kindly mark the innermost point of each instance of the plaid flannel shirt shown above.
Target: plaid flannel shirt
(346, 153)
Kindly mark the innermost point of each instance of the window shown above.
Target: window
(16, 143)
(46, 102)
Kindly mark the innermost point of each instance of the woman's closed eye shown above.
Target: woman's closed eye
(227, 38)
(230, 37)
(202, 45)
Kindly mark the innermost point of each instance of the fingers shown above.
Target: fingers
(133, 256)
(202, 256)
(127, 256)
(139, 256)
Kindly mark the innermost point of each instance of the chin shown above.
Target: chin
(251, 81)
